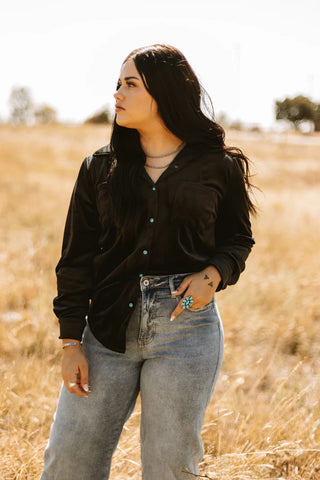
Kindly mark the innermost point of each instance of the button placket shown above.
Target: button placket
(151, 220)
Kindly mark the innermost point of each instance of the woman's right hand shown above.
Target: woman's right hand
(74, 370)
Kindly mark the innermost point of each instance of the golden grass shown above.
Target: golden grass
(264, 418)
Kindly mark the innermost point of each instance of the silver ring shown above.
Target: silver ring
(72, 384)
(187, 302)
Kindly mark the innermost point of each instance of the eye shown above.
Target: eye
(130, 84)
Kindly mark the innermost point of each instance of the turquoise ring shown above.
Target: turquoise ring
(187, 302)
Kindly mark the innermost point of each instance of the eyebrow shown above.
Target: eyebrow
(128, 78)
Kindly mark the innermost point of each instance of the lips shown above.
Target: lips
(118, 107)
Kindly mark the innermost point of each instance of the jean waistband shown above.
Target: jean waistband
(162, 281)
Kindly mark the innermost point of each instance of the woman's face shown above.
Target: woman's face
(135, 107)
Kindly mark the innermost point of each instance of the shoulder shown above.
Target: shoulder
(105, 150)
(100, 156)
(218, 162)
(215, 154)
(99, 163)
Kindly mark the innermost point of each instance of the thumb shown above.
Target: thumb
(183, 286)
(84, 376)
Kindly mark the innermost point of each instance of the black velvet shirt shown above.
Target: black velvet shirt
(195, 215)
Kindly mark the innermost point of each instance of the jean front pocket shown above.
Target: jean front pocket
(205, 307)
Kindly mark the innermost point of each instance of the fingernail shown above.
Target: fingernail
(85, 388)
(174, 291)
(171, 319)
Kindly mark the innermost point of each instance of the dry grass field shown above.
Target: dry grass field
(264, 418)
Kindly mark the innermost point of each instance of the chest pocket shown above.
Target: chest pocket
(194, 204)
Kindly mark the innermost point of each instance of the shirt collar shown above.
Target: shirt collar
(187, 154)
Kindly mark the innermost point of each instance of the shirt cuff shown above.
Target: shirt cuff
(222, 263)
(71, 329)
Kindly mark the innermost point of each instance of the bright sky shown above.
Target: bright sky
(247, 53)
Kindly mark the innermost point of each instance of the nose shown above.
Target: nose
(117, 94)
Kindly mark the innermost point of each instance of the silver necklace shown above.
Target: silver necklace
(161, 166)
(162, 156)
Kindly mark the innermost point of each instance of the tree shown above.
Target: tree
(101, 116)
(21, 106)
(297, 110)
(45, 114)
(316, 119)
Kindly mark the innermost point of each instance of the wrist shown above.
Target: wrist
(211, 269)
(70, 344)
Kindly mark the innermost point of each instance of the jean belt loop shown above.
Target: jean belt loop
(171, 284)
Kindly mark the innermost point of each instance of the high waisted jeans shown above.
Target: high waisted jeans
(174, 367)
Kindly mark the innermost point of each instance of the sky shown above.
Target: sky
(246, 53)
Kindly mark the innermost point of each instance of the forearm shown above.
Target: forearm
(230, 260)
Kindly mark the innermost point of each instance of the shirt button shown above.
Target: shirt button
(145, 252)
(151, 219)
(146, 282)
(130, 304)
(140, 274)
(176, 166)
(153, 188)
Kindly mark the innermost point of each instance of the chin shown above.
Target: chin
(122, 123)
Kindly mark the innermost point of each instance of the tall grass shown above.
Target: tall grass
(264, 418)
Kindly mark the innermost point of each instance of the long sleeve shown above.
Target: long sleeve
(80, 244)
(233, 230)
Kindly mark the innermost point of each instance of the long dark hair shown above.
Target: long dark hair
(170, 80)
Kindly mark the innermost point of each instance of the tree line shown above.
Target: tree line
(23, 111)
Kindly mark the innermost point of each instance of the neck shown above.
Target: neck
(158, 142)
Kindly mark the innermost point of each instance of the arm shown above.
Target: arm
(74, 278)
(80, 244)
(233, 245)
(233, 230)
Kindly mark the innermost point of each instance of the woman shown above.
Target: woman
(158, 222)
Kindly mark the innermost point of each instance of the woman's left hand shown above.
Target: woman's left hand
(201, 286)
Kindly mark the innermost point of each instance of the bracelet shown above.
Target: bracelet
(68, 344)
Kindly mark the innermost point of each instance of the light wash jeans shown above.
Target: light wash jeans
(174, 367)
